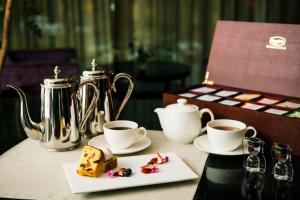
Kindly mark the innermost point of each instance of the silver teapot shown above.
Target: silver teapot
(104, 111)
(60, 128)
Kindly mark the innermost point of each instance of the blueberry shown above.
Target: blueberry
(127, 172)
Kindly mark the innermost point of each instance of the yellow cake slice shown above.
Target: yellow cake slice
(93, 162)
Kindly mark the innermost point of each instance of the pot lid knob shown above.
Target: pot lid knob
(57, 71)
(94, 73)
(58, 81)
(94, 64)
(181, 101)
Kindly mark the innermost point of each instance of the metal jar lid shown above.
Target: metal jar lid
(94, 74)
(58, 82)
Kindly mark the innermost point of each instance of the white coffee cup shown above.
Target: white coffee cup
(121, 134)
(227, 134)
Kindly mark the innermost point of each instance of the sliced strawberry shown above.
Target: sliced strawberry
(153, 161)
(159, 159)
(121, 171)
(146, 171)
(149, 168)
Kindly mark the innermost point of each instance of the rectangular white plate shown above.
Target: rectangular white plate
(172, 171)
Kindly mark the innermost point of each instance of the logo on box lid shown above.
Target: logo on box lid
(276, 42)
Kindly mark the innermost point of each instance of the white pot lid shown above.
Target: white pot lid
(182, 106)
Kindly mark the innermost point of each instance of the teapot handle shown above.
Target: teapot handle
(206, 110)
(93, 102)
(128, 93)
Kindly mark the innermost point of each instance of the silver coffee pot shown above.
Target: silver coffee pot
(60, 128)
(104, 111)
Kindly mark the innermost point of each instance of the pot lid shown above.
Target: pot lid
(58, 81)
(94, 73)
(182, 106)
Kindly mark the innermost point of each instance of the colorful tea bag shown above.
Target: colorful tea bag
(294, 114)
(229, 102)
(268, 100)
(188, 95)
(288, 104)
(247, 97)
(226, 93)
(276, 111)
(208, 97)
(252, 106)
(204, 89)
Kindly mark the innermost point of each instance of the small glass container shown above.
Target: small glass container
(255, 161)
(252, 185)
(282, 162)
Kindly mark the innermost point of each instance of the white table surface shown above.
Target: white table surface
(29, 171)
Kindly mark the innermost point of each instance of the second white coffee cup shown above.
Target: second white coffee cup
(121, 134)
(227, 134)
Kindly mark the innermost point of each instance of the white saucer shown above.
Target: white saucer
(100, 141)
(204, 144)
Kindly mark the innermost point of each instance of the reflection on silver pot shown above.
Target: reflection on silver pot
(104, 110)
(59, 129)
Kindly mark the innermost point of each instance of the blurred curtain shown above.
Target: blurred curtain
(106, 28)
(186, 27)
(82, 24)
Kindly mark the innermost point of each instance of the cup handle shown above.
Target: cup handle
(212, 117)
(251, 128)
(143, 136)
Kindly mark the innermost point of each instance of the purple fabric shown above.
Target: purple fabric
(44, 55)
(25, 75)
(30, 67)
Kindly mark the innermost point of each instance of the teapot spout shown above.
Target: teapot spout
(33, 130)
(161, 116)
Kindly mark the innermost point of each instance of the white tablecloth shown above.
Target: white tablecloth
(30, 171)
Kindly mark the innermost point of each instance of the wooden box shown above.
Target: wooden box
(258, 58)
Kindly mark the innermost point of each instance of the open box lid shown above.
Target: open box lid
(256, 56)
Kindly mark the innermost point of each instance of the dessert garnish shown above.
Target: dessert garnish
(159, 159)
(123, 172)
(149, 169)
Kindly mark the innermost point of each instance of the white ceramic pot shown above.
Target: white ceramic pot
(181, 122)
